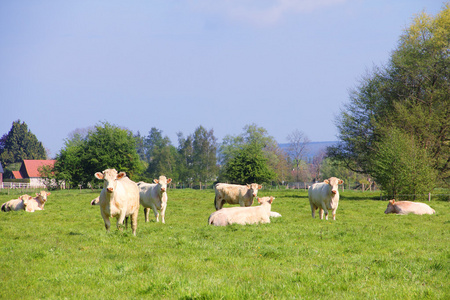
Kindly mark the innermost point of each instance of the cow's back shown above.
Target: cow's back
(148, 193)
(231, 193)
(127, 193)
(317, 193)
(418, 208)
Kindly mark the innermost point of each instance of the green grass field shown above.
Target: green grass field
(65, 252)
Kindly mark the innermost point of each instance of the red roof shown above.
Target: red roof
(17, 175)
(32, 166)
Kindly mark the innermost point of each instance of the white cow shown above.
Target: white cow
(154, 196)
(243, 215)
(325, 196)
(38, 202)
(235, 194)
(119, 198)
(16, 204)
(408, 207)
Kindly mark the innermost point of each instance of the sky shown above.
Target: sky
(175, 65)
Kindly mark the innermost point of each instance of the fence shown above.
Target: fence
(16, 185)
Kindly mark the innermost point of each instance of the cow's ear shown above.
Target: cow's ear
(169, 180)
(38, 194)
(392, 201)
(121, 175)
(248, 185)
(259, 186)
(99, 175)
(48, 193)
(341, 182)
(326, 181)
(259, 200)
(155, 180)
(271, 199)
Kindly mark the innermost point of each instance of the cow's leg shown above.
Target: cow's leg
(313, 210)
(121, 218)
(146, 213)
(134, 218)
(219, 201)
(106, 220)
(163, 211)
(155, 212)
(333, 212)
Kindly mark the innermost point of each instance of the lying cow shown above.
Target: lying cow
(16, 204)
(243, 215)
(38, 202)
(154, 196)
(408, 207)
(235, 194)
(119, 198)
(325, 196)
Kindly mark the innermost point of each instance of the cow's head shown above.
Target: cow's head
(25, 199)
(254, 188)
(390, 207)
(333, 182)
(266, 200)
(162, 182)
(110, 177)
(43, 195)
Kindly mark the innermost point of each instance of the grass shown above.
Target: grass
(65, 252)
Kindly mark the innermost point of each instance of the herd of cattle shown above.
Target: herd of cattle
(121, 198)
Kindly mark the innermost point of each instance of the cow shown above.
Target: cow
(38, 202)
(16, 204)
(408, 207)
(154, 196)
(325, 196)
(119, 198)
(243, 215)
(235, 194)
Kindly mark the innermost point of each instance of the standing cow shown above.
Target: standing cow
(119, 198)
(243, 215)
(408, 207)
(235, 194)
(325, 196)
(154, 196)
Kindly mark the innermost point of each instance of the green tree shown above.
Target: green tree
(402, 166)
(411, 93)
(248, 166)
(19, 144)
(204, 147)
(106, 146)
(161, 156)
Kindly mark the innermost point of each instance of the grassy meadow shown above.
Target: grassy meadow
(65, 252)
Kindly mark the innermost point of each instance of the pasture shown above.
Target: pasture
(65, 252)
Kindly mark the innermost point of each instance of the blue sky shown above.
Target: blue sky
(178, 64)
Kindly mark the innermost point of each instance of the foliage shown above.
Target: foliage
(19, 144)
(249, 166)
(363, 254)
(107, 146)
(401, 166)
(411, 93)
(298, 142)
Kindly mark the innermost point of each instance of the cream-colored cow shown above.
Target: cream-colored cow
(243, 215)
(235, 194)
(119, 198)
(16, 204)
(408, 207)
(325, 196)
(38, 202)
(154, 196)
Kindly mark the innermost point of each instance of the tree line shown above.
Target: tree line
(394, 131)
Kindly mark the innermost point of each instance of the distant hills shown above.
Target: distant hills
(313, 148)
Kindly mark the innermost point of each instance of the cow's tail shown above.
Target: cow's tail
(4, 207)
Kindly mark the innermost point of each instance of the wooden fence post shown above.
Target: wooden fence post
(429, 197)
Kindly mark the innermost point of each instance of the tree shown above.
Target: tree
(106, 146)
(160, 155)
(411, 94)
(249, 166)
(19, 144)
(298, 143)
(205, 155)
(402, 166)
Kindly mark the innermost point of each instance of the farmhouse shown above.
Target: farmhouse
(30, 169)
